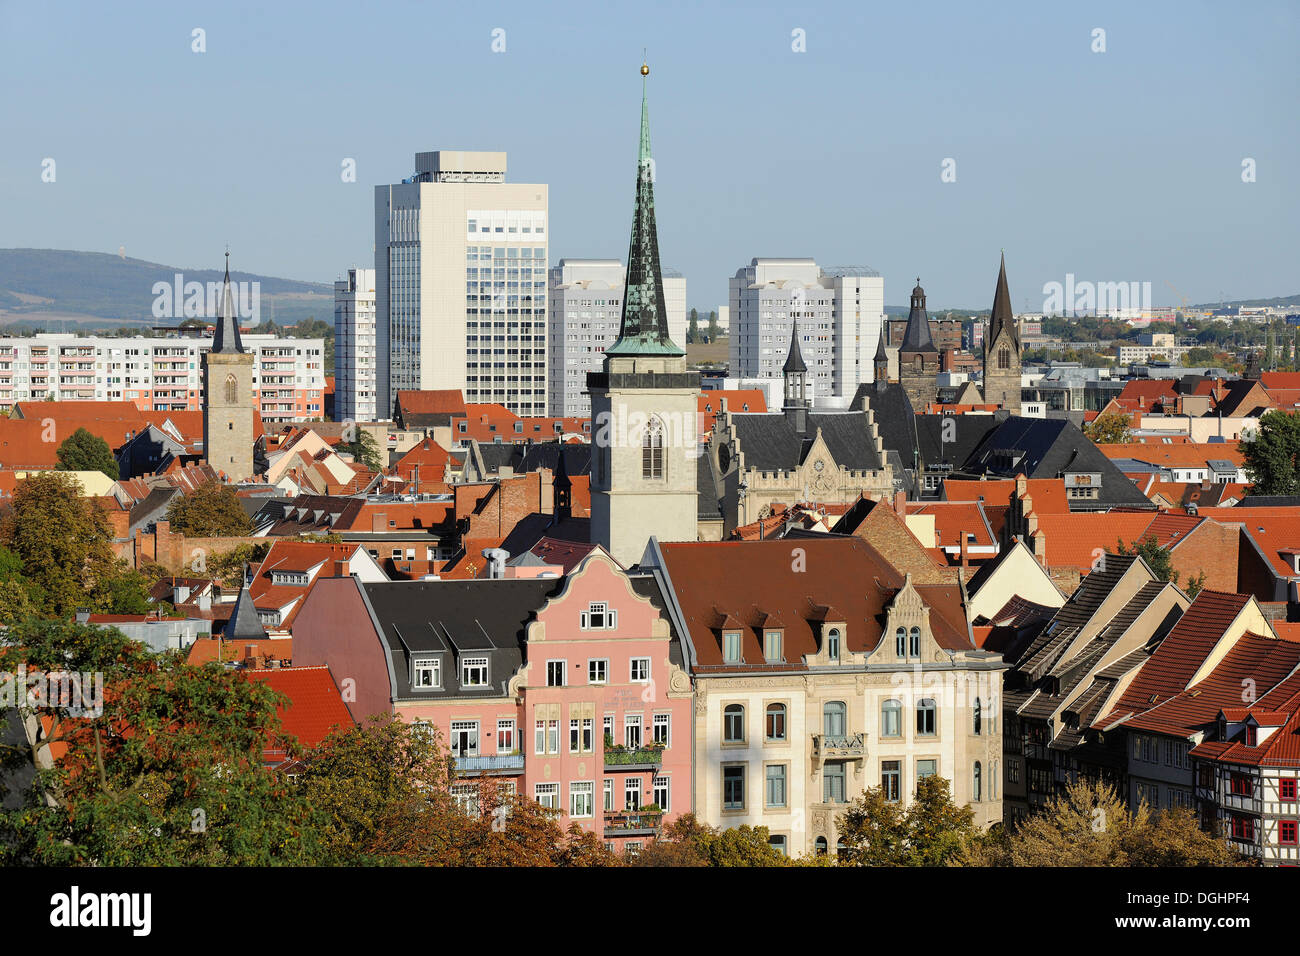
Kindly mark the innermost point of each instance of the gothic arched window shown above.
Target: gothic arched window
(652, 450)
(232, 389)
(1004, 358)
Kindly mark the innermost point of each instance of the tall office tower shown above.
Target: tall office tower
(354, 346)
(460, 283)
(585, 296)
(839, 310)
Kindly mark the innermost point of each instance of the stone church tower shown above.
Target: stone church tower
(228, 395)
(1002, 350)
(644, 403)
(918, 359)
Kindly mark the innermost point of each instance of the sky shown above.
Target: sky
(779, 129)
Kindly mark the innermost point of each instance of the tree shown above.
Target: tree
(688, 842)
(713, 327)
(1111, 428)
(1090, 825)
(210, 511)
(363, 450)
(693, 328)
(83, 451)
(228, 566)
(1160, 561)
(931, 831)
(1273, 455)
(64, 543)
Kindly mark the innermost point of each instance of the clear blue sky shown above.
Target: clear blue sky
(1115, 166)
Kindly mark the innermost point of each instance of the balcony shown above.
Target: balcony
(649, 757)
(630, 823)
(848, 747)
(499, 764)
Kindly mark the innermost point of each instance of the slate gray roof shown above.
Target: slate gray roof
(244, 624)
(708, 488)
(793, 354)
(770, 442)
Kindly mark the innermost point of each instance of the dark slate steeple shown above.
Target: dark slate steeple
(244, 624)
(881, 360)
(794, 356)
(917, 336)
(644, 326)
(226, 338)
(1002, 316)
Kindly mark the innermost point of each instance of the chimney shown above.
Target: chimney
(496, 558)
(900, 502)
(83, 615)
(965, 538)
(180, 594)
(205, 601)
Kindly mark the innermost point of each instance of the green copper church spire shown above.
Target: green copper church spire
(644, 326)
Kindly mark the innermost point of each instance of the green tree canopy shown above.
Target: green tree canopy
(1273, 455)
(83, 451)
(688, 842)
(363, 450)
(210, 511)
(1112, 428)
(931, 831)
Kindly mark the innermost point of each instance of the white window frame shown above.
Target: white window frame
(629, 722)
(466, 725)
(632, 669)
(582, 792)
(598, 664)
(557, 668)
(433, 664)
(506, 732)
(632, 785)
(551, 791)
(666, 722)
(474, 664)
(662, 784)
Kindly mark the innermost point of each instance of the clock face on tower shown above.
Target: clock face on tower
(818, 465)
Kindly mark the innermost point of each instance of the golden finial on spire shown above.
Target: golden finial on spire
(645, 67)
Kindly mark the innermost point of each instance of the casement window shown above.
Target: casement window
(427, 674)
(926, 768)
(731, 647)
(474, 672)
(833, 790)
(547, 794)
(1242, 785)
(833, 718)
(575, 736)
(632, 731)
(465, 796)
(1286, 832)
(588, 735)
(582, 799)
(661, 727)
(833, 644)
(464, 738)
(662, 787)
(1013, 771)
(539, 740)
(1286, 788)
(914, 643)
(633, 849)
(1251, 736)
(652, 451)
(609, 794)
(772, 647)
(900, 642)
(505, 736)
(777, 842)
(925, 718)
(632, 793)
(599, 617)
(598, 671)
(775, 722)
(977, 782)
(552, 736)
(556, 672)
(733, 787)
(1243, 828)
(977, 715)
(639, 670)
(774, 792)
(609, 729)
(891, 718)
(733, 724)
(891, 780)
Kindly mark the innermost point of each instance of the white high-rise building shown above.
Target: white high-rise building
(839, 310)
(460, 282)
(354, 347)
(585, 301)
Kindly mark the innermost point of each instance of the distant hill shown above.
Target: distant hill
(55, 288)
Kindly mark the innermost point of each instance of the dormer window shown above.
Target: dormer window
(291, 578)
(833, 644)
(772, 647)
(474, 672)
(731, 647)
(427, 674)
(1252, 739)
(599, 617)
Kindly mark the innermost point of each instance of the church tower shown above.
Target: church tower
(228, 395)
(643, 403)
(795, 371)
(1002, 350)
(918, 359)
(881, 360)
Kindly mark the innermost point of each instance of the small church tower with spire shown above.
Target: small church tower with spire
(228, 394)
(795, 371)
(1002, 350)
(643, 403)
(918, 359)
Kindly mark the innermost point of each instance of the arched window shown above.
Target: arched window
(840, 847)
(914, 649)
(1004, 358)
(833, 644)
(900, 642)
(821, 846)
(833, 718)
(916, 363)
(652, 450)
(977, 783)
(978, 714)
(733, 724)
(993, 781)
(891, 718)
(232, 389)
(776, 721)
(925, 717)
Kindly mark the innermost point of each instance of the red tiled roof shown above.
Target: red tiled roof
(1076, 540)
(1281, 748)
(1047, 495)
(315, 706)
(207, 649)
(1271, 380)
(709, 404)
(1275, 535)
(1184, 455)
(445, 401)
